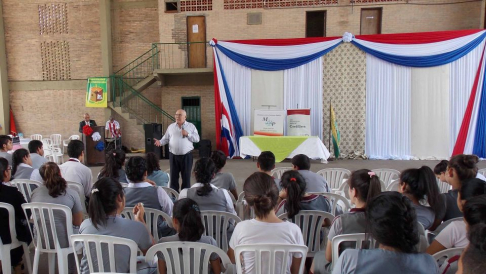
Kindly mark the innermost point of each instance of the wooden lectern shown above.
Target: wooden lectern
(92, 156)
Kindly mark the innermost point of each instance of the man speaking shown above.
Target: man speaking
(180, 136)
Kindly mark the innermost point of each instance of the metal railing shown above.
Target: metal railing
(140, 68)
(178, 55)
(137, 105)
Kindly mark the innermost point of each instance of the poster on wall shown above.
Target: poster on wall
(96, 94)
(298, 122)
(269, 123)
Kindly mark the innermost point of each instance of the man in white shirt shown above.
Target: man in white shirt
(180, 136)
(36, 150)
(74, 171)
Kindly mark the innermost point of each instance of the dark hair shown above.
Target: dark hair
(266, 161)
(422, 184)
(471, 188)
(204, 170)
(441, 167)
(18, 158)
(75, 148)
(465, 166)
(186, 212)
(473, 257)
(261, 193)
(3, 168)
(475, 210)
(295, 185)
(103, 200)
(4, 140)
(219, 159)
(301, 161)
(392, 221)
(135, 169)
(152, 162)
(34, 145)
(364, 184)
(51, 175)
(114, 160)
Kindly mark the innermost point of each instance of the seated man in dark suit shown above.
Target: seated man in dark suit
(86, 121)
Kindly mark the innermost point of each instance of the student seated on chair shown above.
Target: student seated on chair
(74, 171)
(6, 145)
(21, 164)
(106, 203)
(419, 184)
(55, 191)
(223, 179)
(36, 149)
(139, 190)
(188, 223)
(315, 183)
(393, 224)
(266, 163)
(363, 186)
(472, 202)
(472, 259)
(11, 195)
(154, 173)
(262, 194)
(293, 198)
(113, 168)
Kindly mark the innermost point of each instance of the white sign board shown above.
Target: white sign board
(195, 28)
(269, 122)
(298, 122)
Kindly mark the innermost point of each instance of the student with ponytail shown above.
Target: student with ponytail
(472, 202)
(363, 186)
(113, 168)
(261, 193)
(223, 179)
(106, 203)
(22, 164)
(293, 198)
(393, 224)
(187, 221)
(419, 184)
(154, 173)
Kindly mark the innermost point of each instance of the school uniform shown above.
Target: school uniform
(314, 182)
(37, 160)
(159, 177)
(7, 156)
(74, 171)
(122, 176)
(425, 215)
(224, 180)
(311, 202)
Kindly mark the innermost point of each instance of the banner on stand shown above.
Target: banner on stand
(269, 122)
(96, 94)
(298, 122)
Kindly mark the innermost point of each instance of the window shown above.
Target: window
(315, 24)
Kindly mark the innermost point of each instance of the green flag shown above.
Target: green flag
(336, 136)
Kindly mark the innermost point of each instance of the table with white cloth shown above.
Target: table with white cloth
(284, 147)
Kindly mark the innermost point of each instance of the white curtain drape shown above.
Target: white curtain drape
(388, 98)
(462, 73)
(430, 109)
(303, 89)
(238, 79)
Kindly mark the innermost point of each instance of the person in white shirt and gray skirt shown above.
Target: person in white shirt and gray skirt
(180, 136)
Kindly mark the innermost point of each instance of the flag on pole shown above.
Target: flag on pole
(13, 128)
(336, 136)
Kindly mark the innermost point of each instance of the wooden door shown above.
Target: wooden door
(196, 32)
(371, 21)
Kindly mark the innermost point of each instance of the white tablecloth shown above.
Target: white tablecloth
(312, 147)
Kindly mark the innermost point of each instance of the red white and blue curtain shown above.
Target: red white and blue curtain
(425, 92)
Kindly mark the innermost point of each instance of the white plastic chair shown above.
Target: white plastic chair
(171, 192)
(443, 256)
(26, 187)
(335, 200)
(56, 140)
(47, 146)
(181, 256)
(244, 211)
(36, 137)
(277, 172)
(216, 224)
(95, 242)
(151, 219)
(5, 248)
(482, 171)
(57, 155)
(393, 186)
(335, 177)
(387, 175)
(80, 190)
(358, 238)
(423, 242)
(47, 238)
(270, 253)
(443, 186)
(65, 143)
(310, 223)
(168, 174)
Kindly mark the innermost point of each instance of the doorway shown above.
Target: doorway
(192, 106)
(196, 32)
(315, 24)
(371, 21)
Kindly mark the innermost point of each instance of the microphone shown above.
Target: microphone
(183, 129)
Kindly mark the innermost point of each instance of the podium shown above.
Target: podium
(92, 156)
